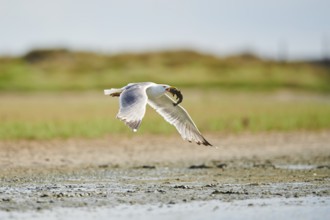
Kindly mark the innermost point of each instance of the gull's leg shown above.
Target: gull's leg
(113, 92)
(116, 94)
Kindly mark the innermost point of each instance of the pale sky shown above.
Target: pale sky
(298, 28)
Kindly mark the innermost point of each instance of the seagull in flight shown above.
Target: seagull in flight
(134, 97)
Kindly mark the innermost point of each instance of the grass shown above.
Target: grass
(61, 70)
(52, 93)
(92, 115)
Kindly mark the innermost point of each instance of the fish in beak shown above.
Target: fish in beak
(176, 94)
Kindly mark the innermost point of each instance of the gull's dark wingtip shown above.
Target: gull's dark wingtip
(204, 142)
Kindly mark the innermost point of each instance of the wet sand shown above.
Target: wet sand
(272, 209)
(163, 173)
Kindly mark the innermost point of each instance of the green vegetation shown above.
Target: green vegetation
(40, 99)
(63, 115)
(58, 70)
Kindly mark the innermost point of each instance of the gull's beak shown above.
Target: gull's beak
(175, 92)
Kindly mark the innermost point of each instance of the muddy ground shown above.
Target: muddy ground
(162, 170)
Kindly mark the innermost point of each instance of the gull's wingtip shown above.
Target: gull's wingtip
(205, 143)
(134, 125)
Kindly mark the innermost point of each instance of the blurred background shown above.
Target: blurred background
(258, 65)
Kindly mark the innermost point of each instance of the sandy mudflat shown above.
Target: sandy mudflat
(157, 173)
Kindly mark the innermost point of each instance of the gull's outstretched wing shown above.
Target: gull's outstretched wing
(179, 117)
(133, 101)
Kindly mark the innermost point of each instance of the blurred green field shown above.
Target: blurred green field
(58, 70)
(59, 94)
(92, 115)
